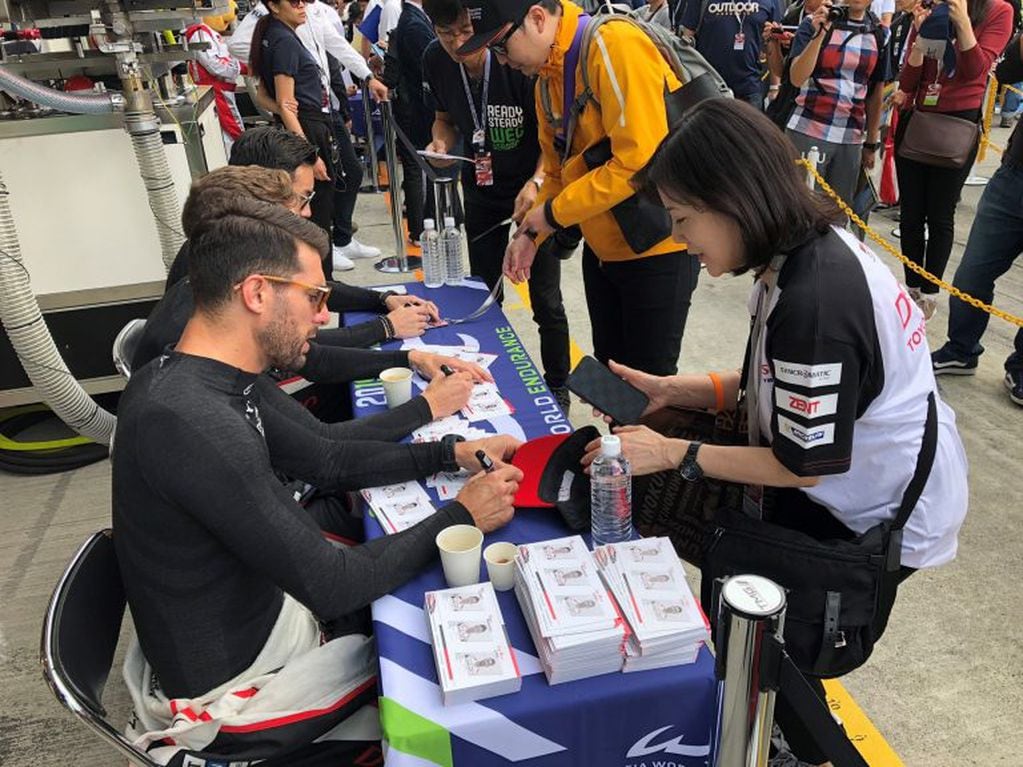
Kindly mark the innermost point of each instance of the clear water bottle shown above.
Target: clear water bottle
(451, 245)
(610, 494)
(433, 259)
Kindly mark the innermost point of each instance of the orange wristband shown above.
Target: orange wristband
(719, 391)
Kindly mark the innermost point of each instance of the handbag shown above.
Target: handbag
(941, 140)
(839, 592)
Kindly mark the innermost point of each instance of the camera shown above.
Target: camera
(838, 13)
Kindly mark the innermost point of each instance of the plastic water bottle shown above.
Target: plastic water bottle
(433, 258)
(451, 246)
(610, 494)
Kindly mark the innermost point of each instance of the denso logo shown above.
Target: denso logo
(645, 746)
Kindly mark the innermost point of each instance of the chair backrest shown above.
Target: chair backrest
(125, 344)
(80, 633)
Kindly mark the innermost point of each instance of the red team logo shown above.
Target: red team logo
(805, 406)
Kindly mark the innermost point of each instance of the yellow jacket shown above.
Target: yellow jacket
(627, 75)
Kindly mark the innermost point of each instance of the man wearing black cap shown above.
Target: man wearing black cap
(638, 281)
(489, 106)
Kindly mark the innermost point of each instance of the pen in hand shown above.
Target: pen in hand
(485, 462)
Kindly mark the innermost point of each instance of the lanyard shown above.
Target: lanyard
(563, 137)
(753, 375)
(479, 121)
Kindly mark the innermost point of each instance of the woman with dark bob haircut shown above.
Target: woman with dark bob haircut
(840, 374)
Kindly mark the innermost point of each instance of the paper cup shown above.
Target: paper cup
(460, 547)
(397, 386)
(500, 559)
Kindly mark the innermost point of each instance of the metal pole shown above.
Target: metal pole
(371, 148)
(401, 262)
(440, 198)
(751, 618)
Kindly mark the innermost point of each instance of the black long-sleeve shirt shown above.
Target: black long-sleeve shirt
(209, 540)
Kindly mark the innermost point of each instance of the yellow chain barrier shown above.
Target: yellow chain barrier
(976, 302)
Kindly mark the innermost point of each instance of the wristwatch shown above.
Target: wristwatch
(538, 182)
(689, 468)
(384, 295)
(447, 452)
(871, 146)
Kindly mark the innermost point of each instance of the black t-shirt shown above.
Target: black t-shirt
(511, 133)
(284, 54)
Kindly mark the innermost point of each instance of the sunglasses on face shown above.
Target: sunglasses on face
(318, 294)
(296, 3)
(500, 47)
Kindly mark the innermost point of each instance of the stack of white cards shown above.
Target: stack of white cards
(482, 359)
(399, 506)
(486, 402)
(452, 424)
(470, 645)
(668, 628)
(573, 620)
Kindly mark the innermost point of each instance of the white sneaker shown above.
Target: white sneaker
(356, 249)
(341, 262)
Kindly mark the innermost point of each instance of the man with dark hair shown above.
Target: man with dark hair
(490, 107)
(638, 281)
(231, 583)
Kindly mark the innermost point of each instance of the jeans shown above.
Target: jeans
(486, 257)
(638, 308)
(929, 196)
(996, 240)
(346, 188)
(1012, 101)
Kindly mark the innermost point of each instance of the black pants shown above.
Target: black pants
(486, 257)
(318, 131)
(638, 308)
(418, 194)
(929, 195)
(346, 183)
(792, 508)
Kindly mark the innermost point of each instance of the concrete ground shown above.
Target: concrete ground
(944, 687)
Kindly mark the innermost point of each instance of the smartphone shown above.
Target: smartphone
(595, 383)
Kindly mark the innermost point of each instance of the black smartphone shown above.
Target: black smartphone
(595, 383)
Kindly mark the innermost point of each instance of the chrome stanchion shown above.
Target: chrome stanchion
(371, 149)
(401, 262)
(749, 645)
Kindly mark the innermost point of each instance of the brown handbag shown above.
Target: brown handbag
(937, 139)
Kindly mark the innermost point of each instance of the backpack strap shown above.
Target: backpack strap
(924, 463)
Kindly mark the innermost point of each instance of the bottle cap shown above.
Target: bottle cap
(427, 223)
(449, 221)
(610, 446)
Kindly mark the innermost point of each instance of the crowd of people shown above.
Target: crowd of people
(243, 557)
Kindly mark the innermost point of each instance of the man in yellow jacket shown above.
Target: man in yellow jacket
(638, 281)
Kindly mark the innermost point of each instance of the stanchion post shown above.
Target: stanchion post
(749, 645)
(371, 149)
(401, 261)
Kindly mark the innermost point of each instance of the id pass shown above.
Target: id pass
(484, 169)
(932, 95)
(740, 42)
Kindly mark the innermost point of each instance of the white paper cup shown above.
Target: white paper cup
(460, 547)
(397, 386)
(500, 559)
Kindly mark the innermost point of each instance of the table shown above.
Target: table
(661, 717)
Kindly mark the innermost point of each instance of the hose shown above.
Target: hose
(23, 321)
(89, 104)
(47, 457)
(147, 142)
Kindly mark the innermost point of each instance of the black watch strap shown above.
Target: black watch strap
(384, 295)
(447, 446)
(689, 468)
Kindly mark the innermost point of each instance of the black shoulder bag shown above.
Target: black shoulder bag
(840, 592)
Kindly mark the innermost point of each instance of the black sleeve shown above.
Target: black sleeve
(432, 89)
(358, 336)
(303, 447)
(326, 363)
(388, 426)
(824, 372)
(251, 513)
(179, 268)
(337, 84)
(1010, 68)
(351, 298)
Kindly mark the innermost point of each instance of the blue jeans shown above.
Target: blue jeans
(1011, 104)
(996, 240)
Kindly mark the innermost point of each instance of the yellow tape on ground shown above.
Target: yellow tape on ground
(861, 731)
(574, 352)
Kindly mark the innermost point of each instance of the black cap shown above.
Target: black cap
(491, 19)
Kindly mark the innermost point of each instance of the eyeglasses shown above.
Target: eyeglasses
(305, 199)
(447, 33)
(319, 296)
(501, 46)
(297, 3)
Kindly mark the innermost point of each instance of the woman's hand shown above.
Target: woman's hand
(920, 14)
(646, 450)
(654, 387)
